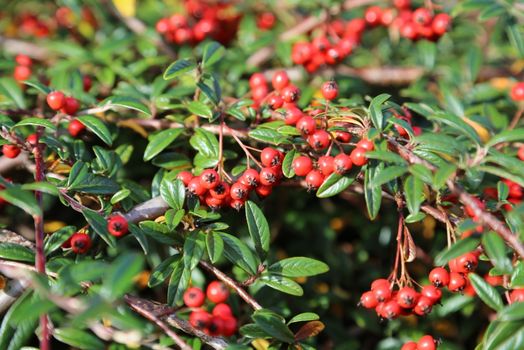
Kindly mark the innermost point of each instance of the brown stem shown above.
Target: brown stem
(516, 118)
(231, 284)
(39, 236)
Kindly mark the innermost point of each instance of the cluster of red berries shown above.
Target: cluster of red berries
(57, 101)
(30, 25)
(390, 304)
(220, 321)
(284, 94)
(334, 44)
(515, 194)
(408, 118)
(67, 18)
(426, 342)
(517, 92)
(215, 193)
(412, 24)
(204, 21)
(23, 67)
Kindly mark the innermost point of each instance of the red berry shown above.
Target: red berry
(256, 80)
(239, 191)
(329, 90)
(410, 345)
(87, 83)
(373, 15)
(162, 26)
(263, 191)
(237, 204)
(382, 293)
(71, 106)
(439, 277)
(212, 202)
(259, 93)
(358, 156)
(290, 93)
(422, 16)
(516, 295)
(467, 263)
(23, 60)
(321, 43)
(293, 115)
(209, 179)
(22, 73)
(195, 188)
(204, 28)
(194, 297)
(432, 293)
(200, 319)
(268, 176)
(402, 4)
(229, 326)
(366, 144)
(457, 282)
(271, 157)
(494, 280)
(280, 80)
(469, 210)
(517, 92)
(215, 327)
(221, 191)
(10, 151)
(266, 20)
(391, 310)
(319, 140)
(314, 179)
(275, 102)
(183, 35)
(301, 53)
(342, 163)
(217, 292)
(379, 283)
(222, 310)
(302, 165)
(306, 125)
(342, 136)
(32, 139)
(55, 100)
(177, 21)
(185, 176)
(441, 23)
(409, 31)
(75, 127)
(423, 306)
(250, 178)
(117, 225)
(426, 343)
(326, 164)
(80, 243)
(368, 300)
(407, 297)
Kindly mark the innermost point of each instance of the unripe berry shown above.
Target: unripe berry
(217, 292)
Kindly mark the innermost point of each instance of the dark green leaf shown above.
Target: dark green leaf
(163, 270)
(287, 168)
(373, 195)
(215, 246)
(78, 338)
(120, 277)
(298, 267)
(22, 199)
(98, 127)
(36, 122)
(205, 143)
(173, 192)
(375, 108)
(273, 325)
(160, 141)
(178, 283)
(486, 292)
(99, 224)
(12, 251)
(239, 253)
(200, 109)
(513, 312)
(213, 52)
(258, 228)
(461, 247)
(333, 185)
(496, 250)
(56, 239)
(283, 284)
(179, 67)
(414, 193)
(194, 247)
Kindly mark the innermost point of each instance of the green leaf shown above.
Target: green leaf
(7, 328)
(505, 336)
(273, 325)
(333, 185)
(97, 127)
(127, 102)
(513, 312)
(458, 124)
(78, 338)
(298, 267)
(387, 174)
(442, 175)
(414, 193)
(373, 195)
(264, 134)
(461, 247)
(205, 143)
(486, 292)
(258, 228)
(375, 109)
(506, 136)
(36, 122)
(173, 192)
(239, 254)
(215, 246)
(12, 91)
(194, 247)
(56, 239)
(496, 250)
(12, 251)
(99, 224)
(38, 86)
(282, 284)
(287, 168)
(517, 277)
(160, 141)
(200, 109)
(385, 156)
(304, 317)
(252, 330)
(22, 199)
(45, 187)
(516, 39)
(179, 67)
(163, 270)
(140, 237)
(120, 196)
(213, 52)
(178, 283)
(501, 173)
(120, 277)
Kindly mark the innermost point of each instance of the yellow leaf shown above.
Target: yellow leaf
(481, 131)
(127, 8)
(52, 226)
(260, 344)
(134, 126)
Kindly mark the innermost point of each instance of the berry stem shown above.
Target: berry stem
(39, 236)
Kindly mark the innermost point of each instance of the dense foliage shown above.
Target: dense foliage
(270, 175)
